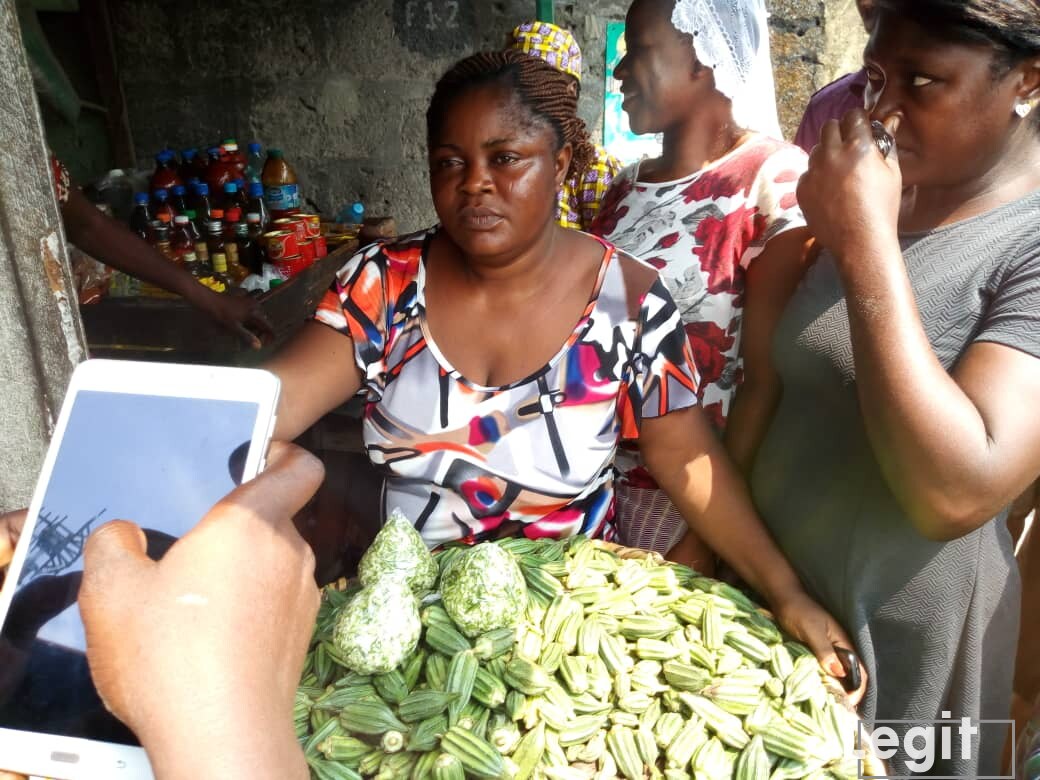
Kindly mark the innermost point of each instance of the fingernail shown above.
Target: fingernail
(836, 668)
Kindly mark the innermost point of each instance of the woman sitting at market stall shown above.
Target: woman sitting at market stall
(910, 359)
(503, 356)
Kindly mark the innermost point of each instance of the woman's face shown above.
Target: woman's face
(956, 113)
(494, 174)
(657, 72)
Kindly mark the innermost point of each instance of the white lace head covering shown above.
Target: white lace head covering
(732, 38)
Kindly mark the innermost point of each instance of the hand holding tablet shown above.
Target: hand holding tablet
(200, 653)
(159, 444)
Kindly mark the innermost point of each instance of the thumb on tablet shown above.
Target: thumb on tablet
(291, 478)
(116, 546)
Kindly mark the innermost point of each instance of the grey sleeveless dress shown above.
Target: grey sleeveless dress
(935, 623)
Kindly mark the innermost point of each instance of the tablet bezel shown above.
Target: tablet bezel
(51, 755)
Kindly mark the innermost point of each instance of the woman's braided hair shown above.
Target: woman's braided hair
(539, 87)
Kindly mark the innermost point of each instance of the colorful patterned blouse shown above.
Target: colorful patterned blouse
(580, 200)
(702, 232)
(470, 462)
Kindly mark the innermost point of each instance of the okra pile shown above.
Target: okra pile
(617, 668)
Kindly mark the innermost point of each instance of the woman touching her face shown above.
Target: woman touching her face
(910, 360)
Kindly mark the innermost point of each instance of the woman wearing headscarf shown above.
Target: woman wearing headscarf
(716, 213)
(910, 360)
(581, 195)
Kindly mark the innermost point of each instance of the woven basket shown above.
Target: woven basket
(872, 765)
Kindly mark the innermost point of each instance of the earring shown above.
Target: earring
(1022, 108)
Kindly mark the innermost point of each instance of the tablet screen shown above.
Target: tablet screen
(157, 460)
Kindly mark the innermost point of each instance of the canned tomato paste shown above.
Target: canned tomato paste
(281, 243)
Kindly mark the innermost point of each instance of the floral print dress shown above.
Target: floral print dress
(465, 461)
(701, 232)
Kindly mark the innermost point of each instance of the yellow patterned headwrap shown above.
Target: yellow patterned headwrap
(550, 43)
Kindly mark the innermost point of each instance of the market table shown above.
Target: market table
(171, 330)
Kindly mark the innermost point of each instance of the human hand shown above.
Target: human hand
(810, 624)
(11, 524)
(240, 314)
(200, 653)
(851, 193)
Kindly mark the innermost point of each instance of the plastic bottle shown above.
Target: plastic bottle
(255, 233)
(242, 196)
(161, 236)
(257, 205)
(179, 201)
(187, 166)
(183, 244)
(165, 175)
(199, 166)
(201, 249)
(220, 171)
(254, 162)
(201, 205)
(230, 199)
(141, 217)
(234, 230)
(217, 251)
(162, 205)
(280, 188)
(235, 156)
(354, 214)
(232, 216)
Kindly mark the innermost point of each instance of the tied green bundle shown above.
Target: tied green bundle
(483, 589)
(399, 552)
(379, 628)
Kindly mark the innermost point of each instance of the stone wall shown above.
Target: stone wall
(342, 85)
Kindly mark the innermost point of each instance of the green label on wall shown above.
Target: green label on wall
(618, 137)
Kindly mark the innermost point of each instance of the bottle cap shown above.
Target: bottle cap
(164, 156)
(179, 189)
(252, 216)
(275, 153)
(230, 187)
(164, 218)
(160, 194)
(234, 214)
(254, 147)
(214, 151)
(188, 154)
(230, 145)
(203, 188)
(241, 184)
(256, 189)
(180, 219)
(216, 214)
(190, 214)
(141, 198)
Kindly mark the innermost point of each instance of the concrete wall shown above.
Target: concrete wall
(342, 85)
(40, 330)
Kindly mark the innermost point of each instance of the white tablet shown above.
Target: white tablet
(158, 444)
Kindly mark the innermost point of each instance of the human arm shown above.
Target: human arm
(684, 456)
(318, 374)
(955, 447)
(113, 244)
(770, 282)
(200, 653)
